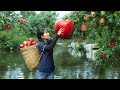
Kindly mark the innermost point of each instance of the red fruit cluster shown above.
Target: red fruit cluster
(30, 42)
(22, 20)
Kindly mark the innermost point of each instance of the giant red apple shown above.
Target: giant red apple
(68, 27)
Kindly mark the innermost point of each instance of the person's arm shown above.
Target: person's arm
(51, 46)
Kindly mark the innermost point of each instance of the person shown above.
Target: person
(46, 44)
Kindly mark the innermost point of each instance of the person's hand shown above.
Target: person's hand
(60, 31)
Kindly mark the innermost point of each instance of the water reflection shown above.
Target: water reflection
(68, 66)
(14, 73)
(112, 74)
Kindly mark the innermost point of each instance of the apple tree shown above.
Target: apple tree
(101, 27)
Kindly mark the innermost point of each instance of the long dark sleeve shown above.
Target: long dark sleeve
(51, 46)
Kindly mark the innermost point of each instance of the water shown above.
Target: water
(68, 66)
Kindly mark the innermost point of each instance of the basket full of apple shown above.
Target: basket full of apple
(30, 53)
(28, 43)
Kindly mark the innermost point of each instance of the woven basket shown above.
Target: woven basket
(31, 56)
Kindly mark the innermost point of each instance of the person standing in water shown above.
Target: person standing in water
(46, 44)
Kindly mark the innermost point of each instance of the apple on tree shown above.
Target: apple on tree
(83, 27)
(79, 40)
(102, 54)
(8, 26)
(68, 27)
(87, 17)
(93, 13)
(112, 43)
(102, 21)
(22, 20)
(102, 13)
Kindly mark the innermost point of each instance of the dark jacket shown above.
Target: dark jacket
(46, 63)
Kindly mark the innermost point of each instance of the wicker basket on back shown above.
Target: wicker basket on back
(31, 56)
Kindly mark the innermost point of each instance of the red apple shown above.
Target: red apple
(29, 43)
(22, 20)
(102, 21)
(84, 27)
(21, 46)
(8, 26)
(102, 54)
(25, 46)
(31, 39)
(112, 43)
(25, 43)
(33, 43)
(68, 27)
(79, 40)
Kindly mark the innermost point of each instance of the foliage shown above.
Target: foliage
(45, 19)
(103, 28)
(16, 27)
(101, 32)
